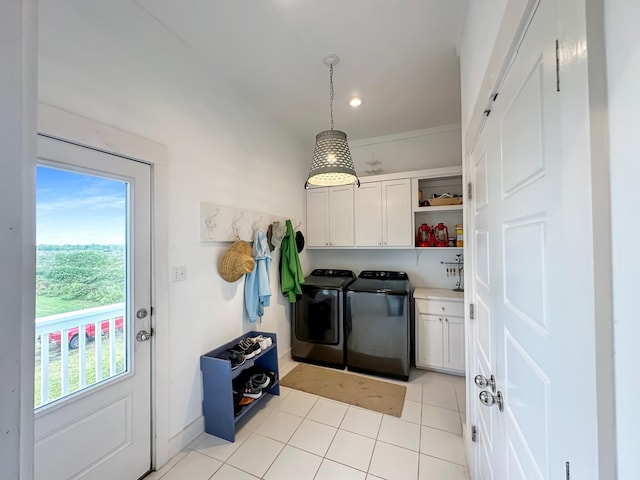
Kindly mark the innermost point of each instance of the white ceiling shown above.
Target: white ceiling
(398, 55)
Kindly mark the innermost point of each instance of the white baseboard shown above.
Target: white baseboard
(182, 439)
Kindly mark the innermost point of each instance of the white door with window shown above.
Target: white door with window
(93, 309)
(532, 339)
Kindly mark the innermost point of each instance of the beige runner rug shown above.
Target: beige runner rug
(377, 395)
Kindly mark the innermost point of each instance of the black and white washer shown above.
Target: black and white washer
(378, 323)
(317, 333)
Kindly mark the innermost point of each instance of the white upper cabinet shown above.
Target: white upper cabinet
(317, 217)
(384, 211)
(330, 217)
(369, 215)
(396, 213)
(383, 214)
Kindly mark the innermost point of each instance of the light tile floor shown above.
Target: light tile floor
(298, 436)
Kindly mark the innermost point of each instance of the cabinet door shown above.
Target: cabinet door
(317, 217)
(453, 340)
(429, 341)
(341, 227)
(368, 213)
(397, 213)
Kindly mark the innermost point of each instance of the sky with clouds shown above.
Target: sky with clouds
(78, 209)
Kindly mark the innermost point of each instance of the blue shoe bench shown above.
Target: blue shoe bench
(217, 404)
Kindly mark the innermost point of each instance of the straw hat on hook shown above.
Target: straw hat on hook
(236, 261)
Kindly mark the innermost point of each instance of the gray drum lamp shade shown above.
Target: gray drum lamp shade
(332, 163)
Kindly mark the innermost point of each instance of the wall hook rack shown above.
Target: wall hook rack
(220, 223)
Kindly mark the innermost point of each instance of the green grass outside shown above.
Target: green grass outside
(55, 365)
(46, 306)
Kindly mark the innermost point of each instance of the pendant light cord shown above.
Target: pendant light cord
(331, 93)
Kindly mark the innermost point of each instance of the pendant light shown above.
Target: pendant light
(332, 163)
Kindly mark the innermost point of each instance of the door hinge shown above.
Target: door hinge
(469, 191)
(472, 311)
(557, 66)
(474, 433)
(567, 471)
(152, 310)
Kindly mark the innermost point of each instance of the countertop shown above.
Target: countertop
(437, 293)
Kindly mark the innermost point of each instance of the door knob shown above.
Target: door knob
(143, 336)
(490, 400)
(141, 313)
(482, 382)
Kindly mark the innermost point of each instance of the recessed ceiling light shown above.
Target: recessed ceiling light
(355, 101)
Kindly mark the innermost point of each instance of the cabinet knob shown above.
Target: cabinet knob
(446, 319)
(440, 319)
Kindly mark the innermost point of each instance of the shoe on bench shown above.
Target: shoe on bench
(260, 381)
(263, 341)
(248, 348)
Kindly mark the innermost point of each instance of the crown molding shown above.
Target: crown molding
(425, 132)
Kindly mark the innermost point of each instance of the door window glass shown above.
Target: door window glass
(81, 282)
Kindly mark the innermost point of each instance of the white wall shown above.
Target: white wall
(111, 62)
(417, 150)
(17, 274)
(403, 152)
(422, 266)
(623, 70)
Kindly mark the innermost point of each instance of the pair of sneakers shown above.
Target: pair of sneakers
(255, 385)
(264, 342)
(235, 358)
(252, 389)
(251, 346)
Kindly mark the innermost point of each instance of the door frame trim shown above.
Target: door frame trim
(59, 124)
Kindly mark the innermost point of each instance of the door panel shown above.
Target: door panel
(522, 132)
(528, 332)
(524, 271)
(528, 407)
(528, 117)
(103, 432)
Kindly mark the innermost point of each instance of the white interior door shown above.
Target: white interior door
(93, 415)
(528, 332)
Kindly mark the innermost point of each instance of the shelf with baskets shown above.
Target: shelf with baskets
(444, 220)
(217, 384)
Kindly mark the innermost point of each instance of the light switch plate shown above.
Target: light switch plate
(179, 274)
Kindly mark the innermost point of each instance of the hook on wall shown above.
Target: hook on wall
(234, 226)
(256, 224)
(298, 223)
(209, 220)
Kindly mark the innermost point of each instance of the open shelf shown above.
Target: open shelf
(217, 378)
(441, 208)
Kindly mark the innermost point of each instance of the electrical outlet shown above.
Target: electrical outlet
(179, 274)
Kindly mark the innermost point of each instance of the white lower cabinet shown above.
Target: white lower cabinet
(439, 329)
